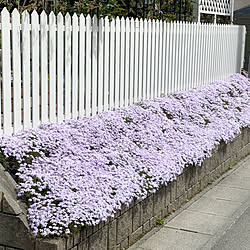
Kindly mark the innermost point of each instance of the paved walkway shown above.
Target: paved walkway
(217, 218)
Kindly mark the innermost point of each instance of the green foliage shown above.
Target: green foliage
(159, 221)
(162, 10)
(231, 166)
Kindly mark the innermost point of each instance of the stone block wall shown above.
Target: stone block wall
(130, 223)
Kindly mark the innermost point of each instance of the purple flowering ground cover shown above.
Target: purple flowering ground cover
(79, 172)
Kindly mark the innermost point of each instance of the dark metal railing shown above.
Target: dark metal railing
(162, 9)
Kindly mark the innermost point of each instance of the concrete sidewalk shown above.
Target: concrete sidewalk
(208, 220)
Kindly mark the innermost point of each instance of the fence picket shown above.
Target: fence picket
(67, 99)
(35, 68)
(156, 58)
(106, 64)
(88, 65)
(166, 57)
(6, 72)
(112, 64)
(94, 65)
(170, 66)
(75, 37)
(122, 63)
(152, 84)
(16, 71)
(127, 61)
(132, 65)
(136, 85)
(145, 59)
(60, 68)
(149, 64)
(140, 69)
(160, 60)
(164, 49)
(117, 62)
(83, 66)
(26, 70)
(52, 67)
(44, 66)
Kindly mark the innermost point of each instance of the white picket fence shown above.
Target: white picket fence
(55, 67)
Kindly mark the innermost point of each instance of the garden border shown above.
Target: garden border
(130, 223)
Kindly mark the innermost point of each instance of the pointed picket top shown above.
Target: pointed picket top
(5, 11)
(101, 21)
(88, 18)
(117, 19)
(15, 13)
(112, 23)
(95, 19)
(34, 15)
(60, 18)
(122, 19)
(15, 16)
(52, 18)
(106, 22)
(43, 14)
(82, 18)
(44, 18)
(25, 17)
(67, 19)
(5, 15)
(75, 20)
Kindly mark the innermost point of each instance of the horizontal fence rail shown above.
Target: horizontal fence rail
(56, 68)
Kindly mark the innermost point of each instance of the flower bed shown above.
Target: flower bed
(79, 172)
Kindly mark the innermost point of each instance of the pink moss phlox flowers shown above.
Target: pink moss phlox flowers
(89, 167)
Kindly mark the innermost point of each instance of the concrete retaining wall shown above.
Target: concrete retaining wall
(131, 222)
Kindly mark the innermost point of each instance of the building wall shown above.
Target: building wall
(244, 19)
(238, 4)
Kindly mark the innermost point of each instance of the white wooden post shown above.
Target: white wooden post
(117, 62)
(131, 63)
(67, 66)
(60, 68)
(101, 66)
(136, 85)
(75, 51)
(106, 64)
(44, 66)
(82, 65)
(94, 64)
(127, 61)
(140, 71)
(26, 71)
(16, 57)
(112, 65)
(88, 65)
(52, 67)
(6, 72)
(122, 61)
(35, 69)
(149, 62)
